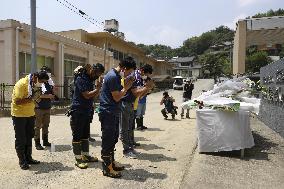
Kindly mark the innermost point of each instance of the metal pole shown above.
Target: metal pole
(17, 55)
(105, 47)
(33, 36)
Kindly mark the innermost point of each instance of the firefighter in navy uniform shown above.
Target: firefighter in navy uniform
(110, 108)
(81, 112)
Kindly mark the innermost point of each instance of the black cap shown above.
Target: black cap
(99, 67)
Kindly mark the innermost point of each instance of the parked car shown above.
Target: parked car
(178, 83)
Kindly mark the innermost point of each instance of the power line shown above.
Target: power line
(81, 13)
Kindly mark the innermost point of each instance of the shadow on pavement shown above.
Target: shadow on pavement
(141, 139)
(173, 120)
(154, 129)
(95, 165)
(148, 147)
(62, 148)
(155, 157)
(232, 154)
(96, 143)
(261, 148)
(258, 152)
(95, 135)
(47, 167)
(141, 175)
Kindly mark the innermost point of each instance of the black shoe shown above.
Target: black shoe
(144, 127)
(22, 159)
(92, 139)
(136, 144)
(24, 166)
(32, 161)
(38, 145)
(46, 144)
(45, 141)
(28, 153)
(139, 128)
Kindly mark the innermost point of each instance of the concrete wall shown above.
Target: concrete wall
(101, 38)
(239, 50)
(48, 44)
(7, 48)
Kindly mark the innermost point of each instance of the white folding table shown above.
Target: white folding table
(223, 130)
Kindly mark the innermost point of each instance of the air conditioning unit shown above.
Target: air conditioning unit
(120, 35)
(111, 25)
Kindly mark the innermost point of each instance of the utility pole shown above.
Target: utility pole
(33, 36)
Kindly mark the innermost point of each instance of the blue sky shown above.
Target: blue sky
(167, 22)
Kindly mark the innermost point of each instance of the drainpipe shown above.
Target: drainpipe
(18, 29)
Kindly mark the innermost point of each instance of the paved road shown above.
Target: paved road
(168, 158)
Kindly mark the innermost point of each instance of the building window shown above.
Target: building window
(71, 62)
(120, 56)
(25, 62)
(184, 73)
(70, 66)
(185, 64)
(117, 55)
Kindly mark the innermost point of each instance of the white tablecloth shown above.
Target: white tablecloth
(223, 130)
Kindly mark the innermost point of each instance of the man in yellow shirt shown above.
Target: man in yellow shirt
(25, 93)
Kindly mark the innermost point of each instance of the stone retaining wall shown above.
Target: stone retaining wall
(272, 104)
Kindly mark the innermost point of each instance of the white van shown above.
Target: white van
(178, 83)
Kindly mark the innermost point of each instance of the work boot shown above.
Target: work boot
(38, 146)
(78, 157)
(108, 169)
(89, 159)
(115, 165)
(45, 140)
(29, 158)
(85, 152)
(110, 172)
(22, 160)
(81, 163)
(142, 123)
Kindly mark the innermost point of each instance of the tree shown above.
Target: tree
(270, 13)
(193, 46)
(198, 45)
(158, 51)
(215, 65)
(257, 60)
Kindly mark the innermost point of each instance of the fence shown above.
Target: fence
(6, 95)
(6, 92)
